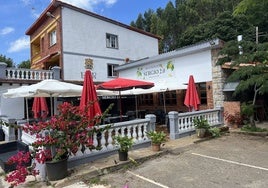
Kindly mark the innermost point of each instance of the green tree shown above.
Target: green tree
(6, 60)
(256, 13)
(251, 67)
(25, 64)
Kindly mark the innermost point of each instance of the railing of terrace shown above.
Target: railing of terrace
(28, 74)
(11, 73)
(181, 124)
(135, 129)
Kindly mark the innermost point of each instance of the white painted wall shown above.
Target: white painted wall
(197, 64)
(13, 108)
(90, 41)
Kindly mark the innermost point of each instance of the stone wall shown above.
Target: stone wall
(218, 80)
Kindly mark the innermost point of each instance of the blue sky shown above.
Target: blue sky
(17, 16)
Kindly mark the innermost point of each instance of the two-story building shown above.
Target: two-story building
(65, 35)
(62, 38)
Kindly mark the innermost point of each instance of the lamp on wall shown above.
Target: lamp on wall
(50, 15)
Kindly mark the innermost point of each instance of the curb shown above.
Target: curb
(261, 134)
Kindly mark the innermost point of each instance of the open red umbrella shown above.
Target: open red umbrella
(191, 100)
(120, 84)
(89, 95)
(40, 108)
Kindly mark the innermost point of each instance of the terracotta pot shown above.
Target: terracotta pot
(200, 133)
(156, 147)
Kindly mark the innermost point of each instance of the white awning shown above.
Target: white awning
(230, 86)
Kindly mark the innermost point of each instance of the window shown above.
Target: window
(145, 99)
(111, 71)
(202, 92)
(53, 37)
(169, 96)
(111, 41)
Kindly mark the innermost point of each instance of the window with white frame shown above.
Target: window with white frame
(111, 41)
(111, 71)
(53, 37)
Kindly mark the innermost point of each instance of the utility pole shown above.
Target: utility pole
(257, 35)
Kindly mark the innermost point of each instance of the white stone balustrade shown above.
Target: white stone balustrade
(28, 74)
(181, 124)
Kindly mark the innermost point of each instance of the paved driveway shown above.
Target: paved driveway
(229, 161)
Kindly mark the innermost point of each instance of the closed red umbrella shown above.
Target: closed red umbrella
(120, 84)
(89, 95)
(40, 108)
(191, 100)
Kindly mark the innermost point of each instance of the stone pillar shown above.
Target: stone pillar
(56, 72)
(152, 119)
(3, 67)
(218, 80)
(173, 125)
(9, 131)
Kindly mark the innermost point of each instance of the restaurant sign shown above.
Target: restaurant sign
(153, 71)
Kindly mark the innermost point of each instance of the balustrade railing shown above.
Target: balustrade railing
(103, 142)
(181, 124)
(28, 74)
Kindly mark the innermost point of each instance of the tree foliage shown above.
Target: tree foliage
(189, 21)
(6, 60)
(25, 64)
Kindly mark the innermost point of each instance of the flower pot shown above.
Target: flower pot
(56, 170)
(123, 155)
(156, 147)
(200, 133)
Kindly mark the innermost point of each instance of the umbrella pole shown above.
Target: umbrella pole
(164, 102)
(120, 104)
(51, 108)
(27, 112)
(136, 103)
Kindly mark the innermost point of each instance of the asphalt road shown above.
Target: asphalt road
(229, 161)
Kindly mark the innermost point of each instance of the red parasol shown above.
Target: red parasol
(191, 100)
(89, 95)
(40, 108)
(120, 84)
(125, 84)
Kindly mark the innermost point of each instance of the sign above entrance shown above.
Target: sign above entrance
(154, 71)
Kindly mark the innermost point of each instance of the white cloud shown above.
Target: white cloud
(20, 44)
(6, 30)
(89, 4)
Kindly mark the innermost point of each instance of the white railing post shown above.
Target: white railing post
(173, 125)
(152, 119)
(9, 131)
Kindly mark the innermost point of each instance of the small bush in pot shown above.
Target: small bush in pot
(124, 143)
(157, 139)
(201, 126)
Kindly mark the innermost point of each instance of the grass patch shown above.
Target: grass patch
(248, 128)
(96, 181)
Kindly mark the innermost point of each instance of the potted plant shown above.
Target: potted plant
(233, 120)
(157, 139)
(201, 126)
(124, 143)
(61, 136)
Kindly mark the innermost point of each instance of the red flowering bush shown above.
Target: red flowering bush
(22, 171)
(63, 134)
(233, 118)
(57, 138)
